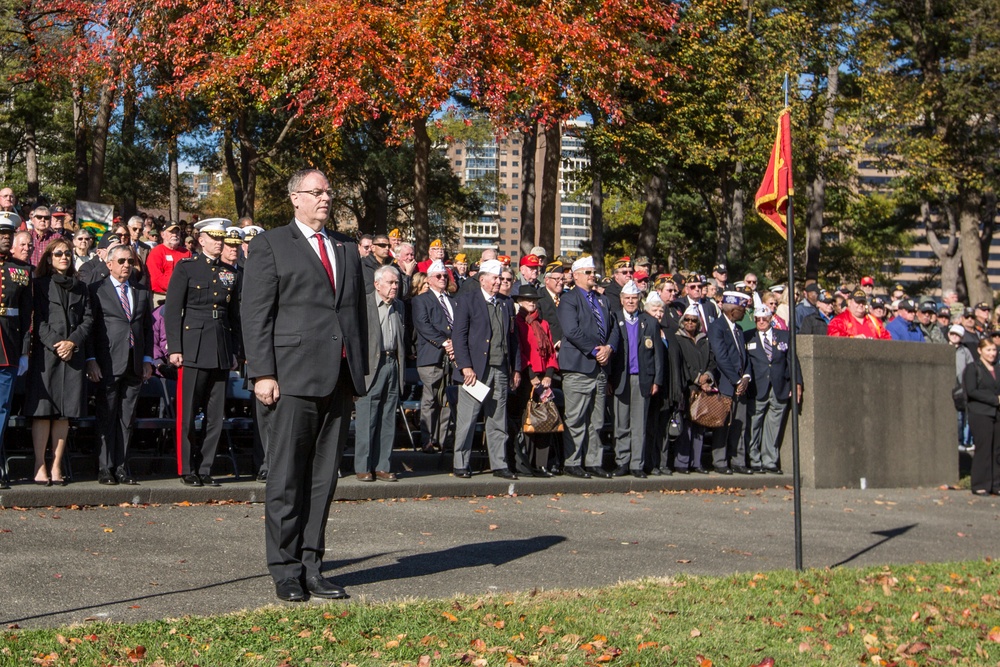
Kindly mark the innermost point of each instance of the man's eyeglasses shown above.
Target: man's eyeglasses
(60, 253)
(626, 272)
(123, 260)
(315, 193)
(42, 217)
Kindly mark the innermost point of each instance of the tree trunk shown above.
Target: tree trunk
(99, 143)
(528, 148)
(31, 158)
(976, 279)
(248, 166)
(231, 168)
(817, 201)
(947, 251)
(175, 184)
(130, 113)
(736, 212)
(649, 228)
(421, 164)
(550, 192)
(81, 167)
(596, 221)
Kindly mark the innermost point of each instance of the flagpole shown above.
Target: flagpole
(796, 477)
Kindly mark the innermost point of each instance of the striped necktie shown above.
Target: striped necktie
(123, 297)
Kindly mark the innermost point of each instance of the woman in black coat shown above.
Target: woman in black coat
(982, 387)
(697, 364)
(56, 384)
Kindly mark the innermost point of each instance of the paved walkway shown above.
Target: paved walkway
(173, 558)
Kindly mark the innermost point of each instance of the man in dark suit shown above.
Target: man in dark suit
(15, 325)
(485, 345)
(123, 360)
(636, 375)
(433, 319)
(694, 295)
(771, 390)
(95, 269)
(375, 412)
(306, 335)
(140, 249)
(550, 295)
(725, 338)
(590, 337)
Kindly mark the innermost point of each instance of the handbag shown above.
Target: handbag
(541, 417)
(709, 408)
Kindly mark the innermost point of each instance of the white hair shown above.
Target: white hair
(384, 269)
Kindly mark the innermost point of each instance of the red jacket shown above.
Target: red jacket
(528, 347)
(847, 326)
(160, 263)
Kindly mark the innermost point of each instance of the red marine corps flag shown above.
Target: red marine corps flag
(776, 188)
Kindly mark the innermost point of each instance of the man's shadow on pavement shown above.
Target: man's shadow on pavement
(493, 553)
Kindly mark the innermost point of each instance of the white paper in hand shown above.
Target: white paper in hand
(478, 391)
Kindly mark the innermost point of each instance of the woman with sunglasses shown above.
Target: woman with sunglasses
(56, 382)
(696, 368)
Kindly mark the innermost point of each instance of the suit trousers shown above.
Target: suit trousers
(307, 440)
(261, 414)
(985, 472)
(765, 428)
(631, 409)
(585, 395)
(115, 417)
(495, 434)
(203, 388)
(690, 442)
(729, 441)
(375, 419)
(435, 412)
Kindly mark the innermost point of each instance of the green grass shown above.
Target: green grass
(935, 614)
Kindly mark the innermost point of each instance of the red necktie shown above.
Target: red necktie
(325, 259)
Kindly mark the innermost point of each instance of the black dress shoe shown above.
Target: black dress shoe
(724, 471)
(742, 470)
(324, 588)
(106, 477)
(639, 474)
(682, 471)
(577, 471)
(556, 470)
(620, 471)
(540, 472)
(124, 476)
(700, 470)
(504, 474)
(464, 473)
(597, 471)
(757, 469)
(774, 471)
(655, 472)
(666, 471)
(191, 480)
(289, 590)
(208, 481)
(262, 476)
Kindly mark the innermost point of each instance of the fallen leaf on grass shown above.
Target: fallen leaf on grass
(138, 654)
(696, 633)
(703, 661)
(451, 618)
(766, 662)
(424, 661)
(994, 635)
(644, 645)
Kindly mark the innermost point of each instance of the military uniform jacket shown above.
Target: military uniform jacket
(202, 313)
(15, 310)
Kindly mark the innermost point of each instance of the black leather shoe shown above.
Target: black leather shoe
(666, 471)
(596, 471)
(191, 480)
(724, 471)
(262, 476)
(208, 481)
(742, 470)
(681, 471)
(555, 470)
(620, 471)
(464, 473)
(540, 472)
(773, 471)
(701, 470)
(757, 470)
(324, 588)
(106, 477)
(504, 474)
(289, 590)
(124, 476)
(577, 471)
(638, 474)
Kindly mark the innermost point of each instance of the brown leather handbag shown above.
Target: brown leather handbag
(542, 417)
(709, 408)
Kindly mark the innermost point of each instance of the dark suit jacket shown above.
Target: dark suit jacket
(111, 328)
(776, 373)
(581, 333)
(651, 355)
(294, 327)
(731, 360)
(431, 325)
(981, 389)
(550, 313)
(94, 270)
(472, 333)
(374, 330)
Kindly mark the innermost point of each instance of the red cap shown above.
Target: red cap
(640, 275)
(504, 259)
(530, 260)
(868, 281)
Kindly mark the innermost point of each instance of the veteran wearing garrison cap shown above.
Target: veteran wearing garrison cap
(202, 319)
(725, 338)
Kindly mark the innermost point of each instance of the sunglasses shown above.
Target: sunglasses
(689, 319)
(60, 253)
(42, 217)
(381, 245)
(123, 260)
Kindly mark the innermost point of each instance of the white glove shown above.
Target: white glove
(22, 365)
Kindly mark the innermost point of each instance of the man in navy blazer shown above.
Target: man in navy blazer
(485, 345)
(590, 337)
(771, 389)
(637, 375)
(433, 319)
(725, 339)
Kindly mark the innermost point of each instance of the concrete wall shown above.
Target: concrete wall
(878, 410)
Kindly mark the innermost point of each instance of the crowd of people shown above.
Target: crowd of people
(622, 356)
